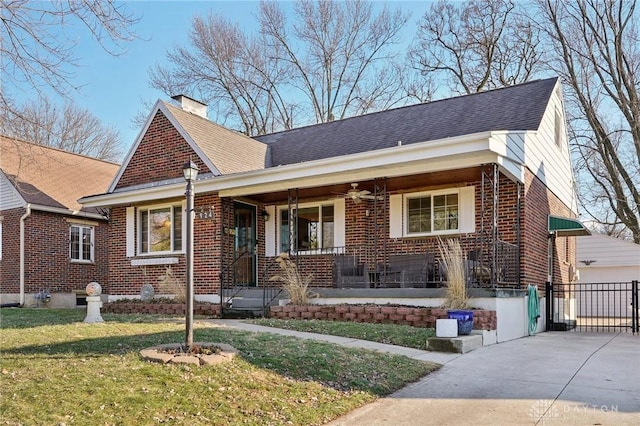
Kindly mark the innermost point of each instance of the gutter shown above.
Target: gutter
(24, 217)
(66, 212)
(322, 172)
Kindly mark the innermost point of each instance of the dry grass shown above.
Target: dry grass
(293, 282)
(169, 284)
(56, 370)
(454, 260)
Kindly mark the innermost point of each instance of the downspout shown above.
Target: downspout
(24, 217)
(518, 234)
(551, 253)
(550, 303)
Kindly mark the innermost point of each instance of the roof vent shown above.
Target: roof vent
(191, 105)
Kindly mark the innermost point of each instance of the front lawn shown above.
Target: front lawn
(392, 334)
(54, 369)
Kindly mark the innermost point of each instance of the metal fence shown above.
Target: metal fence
(593, 307)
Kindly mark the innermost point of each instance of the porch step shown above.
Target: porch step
(254, 293)
(245, 307)
(248, 303)
(460, 344)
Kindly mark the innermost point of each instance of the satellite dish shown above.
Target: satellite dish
(147, 292)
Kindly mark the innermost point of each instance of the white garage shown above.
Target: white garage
(605, 259)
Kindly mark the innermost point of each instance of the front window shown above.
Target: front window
(314, 230)
(161, 229)
(81, 243)
(432, 213)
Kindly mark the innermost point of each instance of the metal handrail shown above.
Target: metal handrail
(221, 275)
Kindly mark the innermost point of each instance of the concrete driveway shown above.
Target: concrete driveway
(562, 378)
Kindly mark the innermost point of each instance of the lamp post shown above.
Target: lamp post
(190, 170)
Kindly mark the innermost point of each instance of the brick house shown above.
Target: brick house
(49, 243)
(491, 169)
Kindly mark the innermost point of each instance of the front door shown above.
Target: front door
(245, 244)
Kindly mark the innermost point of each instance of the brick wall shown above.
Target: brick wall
(413, 316)
(538, 203)
(47, 263)
(127, 279)
(10, 263)
(367, 236)
(214, 239)
(160, 155)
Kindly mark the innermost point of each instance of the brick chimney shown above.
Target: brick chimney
(191, 105)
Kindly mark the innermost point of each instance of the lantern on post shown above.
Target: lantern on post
(190, 170)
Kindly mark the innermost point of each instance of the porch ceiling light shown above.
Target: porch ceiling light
(190, 170)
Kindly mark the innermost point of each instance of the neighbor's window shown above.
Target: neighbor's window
(81, 239)
(160, 229)
(314, 231)
(432, 213)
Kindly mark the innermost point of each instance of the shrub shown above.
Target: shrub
(293, 282)
(454, 261)
(169, 284)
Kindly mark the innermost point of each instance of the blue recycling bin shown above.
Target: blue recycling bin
(465, 321)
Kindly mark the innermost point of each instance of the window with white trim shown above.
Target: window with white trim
(432, 213)
(81, 243)
(439, 212)
(160, 229)
(315, 228)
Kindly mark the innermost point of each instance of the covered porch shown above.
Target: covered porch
(377, 250)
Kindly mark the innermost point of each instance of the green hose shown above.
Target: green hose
(534, 309)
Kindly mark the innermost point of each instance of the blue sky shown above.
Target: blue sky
(114, 88)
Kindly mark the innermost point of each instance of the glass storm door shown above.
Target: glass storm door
(245, 244)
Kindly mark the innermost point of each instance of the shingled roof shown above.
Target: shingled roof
(230, 152)
(51, 177)
(519, 107)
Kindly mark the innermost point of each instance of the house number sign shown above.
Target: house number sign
(204, 213)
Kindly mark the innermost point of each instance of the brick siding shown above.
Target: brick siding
(127, 279)
(538, 203)
(47, 264)
(160, 155)
(162, 152)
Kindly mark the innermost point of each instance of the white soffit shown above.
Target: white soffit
(427, 157)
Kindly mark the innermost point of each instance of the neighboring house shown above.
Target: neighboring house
(607, 266)
(605, 259)
(488, 168)
(49, 243)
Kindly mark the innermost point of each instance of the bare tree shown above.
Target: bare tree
(476, 45)
(69, 128)
(226, 69)
(35, 54)
(333, 61)
(37, 57)
(597, 45)
(342, 65)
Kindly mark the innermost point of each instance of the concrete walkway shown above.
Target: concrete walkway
(562, 378)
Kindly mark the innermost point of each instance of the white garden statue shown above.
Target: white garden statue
(94, 303)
